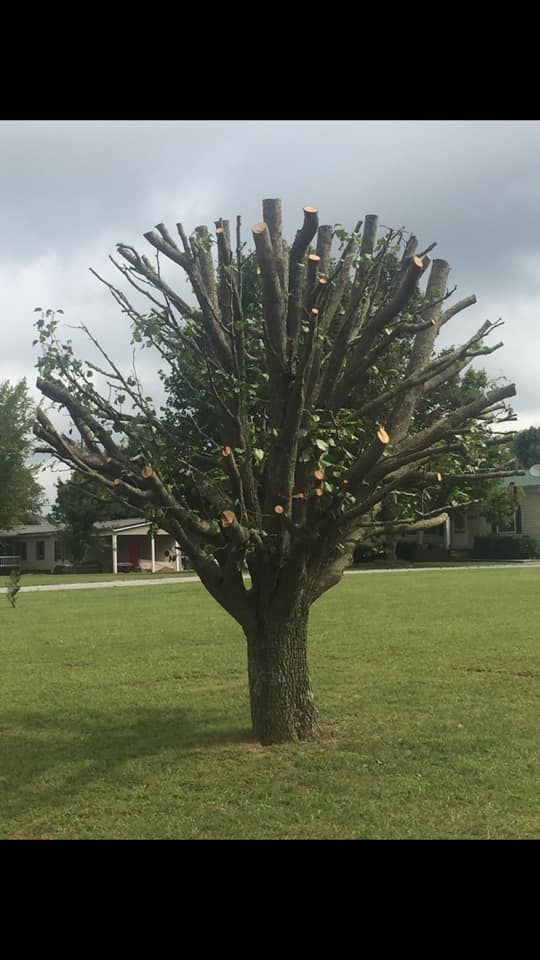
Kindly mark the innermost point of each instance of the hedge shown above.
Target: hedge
(517, 546)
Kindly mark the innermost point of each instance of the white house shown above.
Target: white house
(460, 531)
(124, 545)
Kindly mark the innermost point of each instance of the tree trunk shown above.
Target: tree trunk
(282, 706)
(390, 547)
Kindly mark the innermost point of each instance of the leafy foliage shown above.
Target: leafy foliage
(517, 546)
(499, 504)
(79, 504)
(527, 447)
(21, 496)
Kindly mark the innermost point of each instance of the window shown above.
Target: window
(515, 524)
(58, 549)
(21, 550)
(40, 549)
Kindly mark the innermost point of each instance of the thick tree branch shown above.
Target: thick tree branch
(273, 304)
(210, 315)
(325, 235)
(297, 270)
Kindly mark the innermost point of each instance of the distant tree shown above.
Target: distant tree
(527, 447)
(80, 502)
(291, 425)
(21, 496)
(499, 504)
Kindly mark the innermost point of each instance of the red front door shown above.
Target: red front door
(134, 553)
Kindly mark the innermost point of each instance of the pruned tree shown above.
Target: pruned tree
(289, 425)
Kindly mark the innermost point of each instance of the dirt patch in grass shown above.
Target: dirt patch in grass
(502, 673)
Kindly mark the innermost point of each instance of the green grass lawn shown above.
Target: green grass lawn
(128, 717)
(43, 579)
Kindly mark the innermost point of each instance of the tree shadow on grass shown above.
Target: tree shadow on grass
(48, 759)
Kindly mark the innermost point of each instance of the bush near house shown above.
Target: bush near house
(405, 550)
(368, 553)
(518, 546)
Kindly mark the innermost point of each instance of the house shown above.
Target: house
(526, 517)
(460, 530)
(123, 545)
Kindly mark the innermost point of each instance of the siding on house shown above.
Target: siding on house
(47, 560)
(530, 511)
(31, 535)
(529, 502)
(475, 526)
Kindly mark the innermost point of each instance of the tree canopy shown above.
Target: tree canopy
(527, 447)
(21, 496)
(80, 502)
(303, 393)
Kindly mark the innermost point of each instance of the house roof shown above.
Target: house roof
(46, 529)
(118, 524)
(522, 481)
(30, 529)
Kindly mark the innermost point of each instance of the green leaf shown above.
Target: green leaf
(321, 445)
(258, 454)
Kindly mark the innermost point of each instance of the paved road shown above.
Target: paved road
(159, 581)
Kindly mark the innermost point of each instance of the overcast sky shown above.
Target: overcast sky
(70, 190)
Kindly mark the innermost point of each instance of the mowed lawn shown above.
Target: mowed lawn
(124, 714)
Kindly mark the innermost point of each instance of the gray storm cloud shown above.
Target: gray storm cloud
(70, 190)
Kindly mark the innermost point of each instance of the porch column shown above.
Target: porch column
(447, 534)
(114, 553)
(178, 557)
(153, 554)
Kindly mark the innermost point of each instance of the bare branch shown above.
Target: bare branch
(369, 234)
(299, 249)
(272, 216)
(325, 235)
(206, 264)
(457, 308)
(272, 295)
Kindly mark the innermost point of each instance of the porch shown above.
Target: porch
(129, 545)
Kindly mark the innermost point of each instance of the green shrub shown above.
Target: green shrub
(368, 553)
(406, 549)
(517, 546)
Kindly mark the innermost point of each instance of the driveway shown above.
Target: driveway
(157, 582)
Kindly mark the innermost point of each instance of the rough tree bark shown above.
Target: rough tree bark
(281, 697)
(291, 429)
